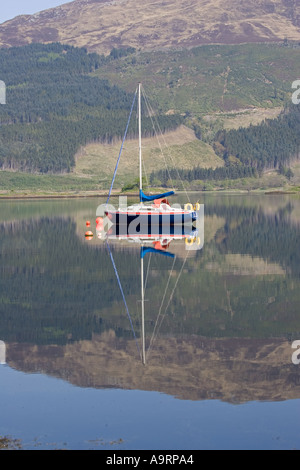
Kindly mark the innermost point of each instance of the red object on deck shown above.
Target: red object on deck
(159, 246)
(158, 202)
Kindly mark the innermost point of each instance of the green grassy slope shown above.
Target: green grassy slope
(211, 78)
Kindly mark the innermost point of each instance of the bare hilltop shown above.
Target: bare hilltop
(100, 25)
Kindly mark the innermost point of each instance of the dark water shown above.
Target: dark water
(221, 367)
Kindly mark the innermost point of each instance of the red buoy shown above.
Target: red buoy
(88, 223)
(89, 235)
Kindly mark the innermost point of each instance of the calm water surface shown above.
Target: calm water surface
(219, 324)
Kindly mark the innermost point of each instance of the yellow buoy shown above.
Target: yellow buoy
(188, 207)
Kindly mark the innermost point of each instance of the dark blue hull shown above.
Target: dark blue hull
(151, 231)
(147, 220)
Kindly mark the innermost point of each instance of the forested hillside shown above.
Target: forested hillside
(273, 144)
(54, 107)
(60, 98)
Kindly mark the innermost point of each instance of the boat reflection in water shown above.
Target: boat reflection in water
(153, 239)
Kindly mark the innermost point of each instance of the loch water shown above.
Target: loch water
(220, 329)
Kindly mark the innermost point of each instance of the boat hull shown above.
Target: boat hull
(152, 232)
(151, 219)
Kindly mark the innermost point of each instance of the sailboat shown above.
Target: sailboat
(152, 209)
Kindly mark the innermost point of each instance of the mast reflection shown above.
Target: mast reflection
(156, 240)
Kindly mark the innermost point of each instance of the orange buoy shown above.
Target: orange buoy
(88, 223)
(89, 235)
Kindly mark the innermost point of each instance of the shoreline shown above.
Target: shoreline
(36, 196)
(60, 196)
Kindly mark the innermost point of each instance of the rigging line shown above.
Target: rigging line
(115, 172)
(160, 309)
(143, 162)
(122, 292)
(170, 299)
(175, 286)
(146, 176)
(150, 112)
(169, 153)
(172, 159)
(145, 284)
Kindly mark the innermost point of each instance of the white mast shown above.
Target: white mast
(140, 138)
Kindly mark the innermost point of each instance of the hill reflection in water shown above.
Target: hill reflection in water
(229, 316)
